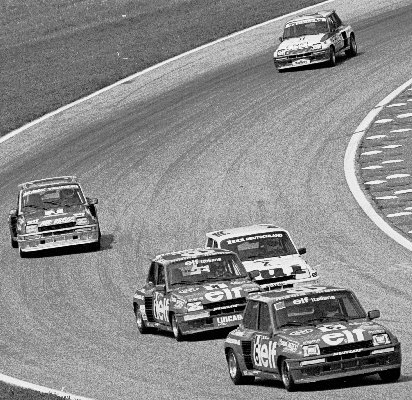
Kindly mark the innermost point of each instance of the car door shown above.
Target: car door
(264, 345)
(161, 299)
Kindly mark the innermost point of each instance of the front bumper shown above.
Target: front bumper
(363, 363)
(86, 234)
(301, 59)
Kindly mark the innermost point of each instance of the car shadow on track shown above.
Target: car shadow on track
(105, 244)
(334, 384)
(219, 334)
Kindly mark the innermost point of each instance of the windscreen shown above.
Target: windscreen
(52, 197)
(205, 269)
(318, 308)
(276, 244)
(305, 28)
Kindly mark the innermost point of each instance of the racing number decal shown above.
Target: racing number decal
(161, 307)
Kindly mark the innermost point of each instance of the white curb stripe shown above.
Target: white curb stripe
(350, 169)
(42, 389)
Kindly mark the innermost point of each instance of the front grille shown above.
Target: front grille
(346, 347)
(226, 306)
(57, 227)
(298, 55)
(148, 302)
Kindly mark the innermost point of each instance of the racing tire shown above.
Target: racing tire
(141, 325)
(177, 333)
(353, 47)
(14, 243)
(286, 376)
(332, 57)
(390, 375)
(234, 370)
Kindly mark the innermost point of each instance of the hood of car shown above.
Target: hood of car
(333, 334)
(211, 292)
(55, 216)
(300, 43)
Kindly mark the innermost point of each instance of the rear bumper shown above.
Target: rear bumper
(301, 60)
(345, 367)
(49, 240)
(288, 283)
(194, 323)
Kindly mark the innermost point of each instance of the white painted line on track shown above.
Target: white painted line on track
(17, 382)
(42, 389)
(350, 169)
(140, 73)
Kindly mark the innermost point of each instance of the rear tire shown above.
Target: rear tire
(234, 370)
(287, 378)
(390, 375)
(353, 47)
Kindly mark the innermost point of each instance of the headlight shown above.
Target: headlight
(311, 350)
(380, 339)
(281, 52)
(194, 306)
(317, 46)
(31, 229)
(82, 221)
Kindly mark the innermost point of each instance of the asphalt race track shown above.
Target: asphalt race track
(213, 140)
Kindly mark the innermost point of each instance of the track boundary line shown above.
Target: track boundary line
(350, 169)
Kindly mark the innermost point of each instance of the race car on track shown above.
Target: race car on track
(191, 291)
(53, 212)
(314, 38)
(268, 253)
(311, 334)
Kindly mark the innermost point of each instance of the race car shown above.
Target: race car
(51, 213)
(191, 291)
(314, 38)
(268, 253)
(310, 334)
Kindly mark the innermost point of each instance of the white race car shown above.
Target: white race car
(268, 254)
(314, 38)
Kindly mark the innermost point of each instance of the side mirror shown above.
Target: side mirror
(280, 39)
(92, 200)
(374, 314)
(13, 213)
(160, 288)
(302, 250)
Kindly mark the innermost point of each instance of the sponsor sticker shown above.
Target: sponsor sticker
(228, 319)
(301, 332)
(233, 341)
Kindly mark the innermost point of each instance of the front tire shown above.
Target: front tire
(332, 57)
(235, 372)
(353, 47)
(390, 375)
(177, 333)
(141, 325)
(287, 378)
(14, 243)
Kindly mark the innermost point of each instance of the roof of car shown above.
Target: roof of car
(318, 14)
(288, 293)
(189, 254)
(244, 231)
(58, 180)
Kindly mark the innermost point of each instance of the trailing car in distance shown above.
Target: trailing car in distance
(191, 291)
(314, 38)
(52, 213)
(310, 334)
(268, 253)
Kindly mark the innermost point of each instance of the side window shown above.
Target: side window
(151, 274)
(210, 242)
(337, 20)
(160, 275)
(250, 315)
(264, 318)
(332, 25)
